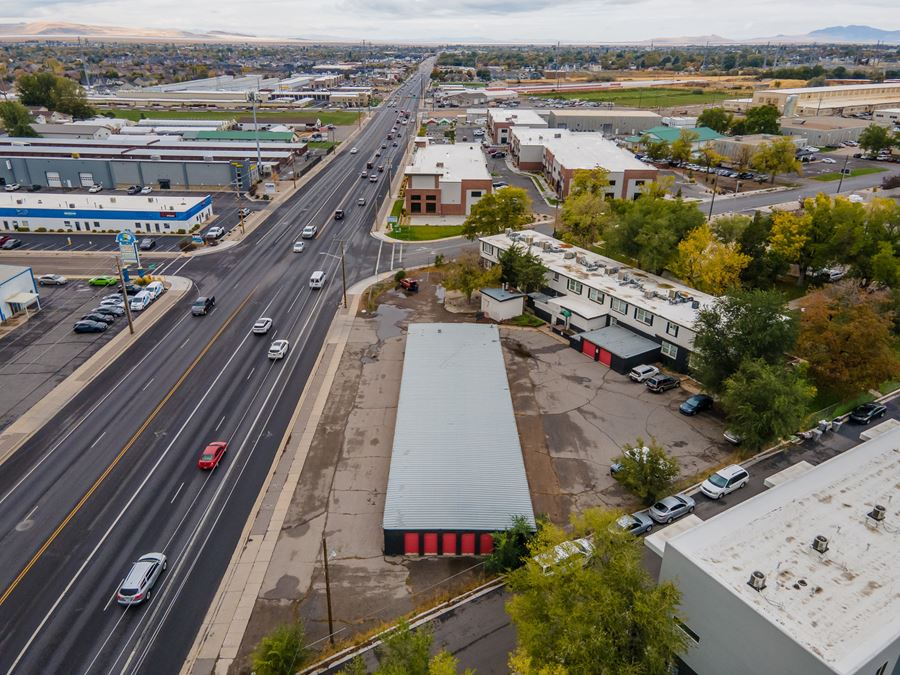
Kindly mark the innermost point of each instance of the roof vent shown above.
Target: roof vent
(877, 513)
(695, 304)
(820, 544)
(757, 581)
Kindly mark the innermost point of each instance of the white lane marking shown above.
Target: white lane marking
(149, 382)
(186, 262)
(177, 492)
(393, 248)
(98, 439)
(220, 423)
(293, 302)
(113, 596)
(401, 255)
(184, 343)
(31, 513)
(252, 370)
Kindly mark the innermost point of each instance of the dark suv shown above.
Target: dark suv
(660, 383)
(202, 305)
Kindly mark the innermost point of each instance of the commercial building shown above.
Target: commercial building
(889, 117)
(703, 135)
(839, 100)
(446, 180)
(467, 96)
(457, 472)
(70, 131)
(800, 579)
(823, 131)
(610, 122)
(740, 149)
(585, 291)
(501, 120)
(18, 291)
(157, 213)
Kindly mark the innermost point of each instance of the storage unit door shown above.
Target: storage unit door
(605, 357)
(448, 545)
(588, 348)
(468, 544)
(431, 543)
(487, 544)
(410, 543)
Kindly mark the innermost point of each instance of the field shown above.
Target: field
(836, 175)
(652, 97)
(338, 117)
(426, 232)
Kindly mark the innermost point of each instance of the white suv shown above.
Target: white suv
(137, 584)
(725, 480)
(641, 373)
(309, 232)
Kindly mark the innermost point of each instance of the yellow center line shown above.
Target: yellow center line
(131, 442)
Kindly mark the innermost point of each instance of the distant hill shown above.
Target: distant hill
(61, 29)
(863, 34)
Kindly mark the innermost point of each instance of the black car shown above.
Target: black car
(695, 404)
(130, 289)
(10, 244)
(99, 318)
(339, 214)
(867, 412)
(202, 305)
(660, 383)
(34, 188)
(133, 189)
(147, 243)
(89, 327)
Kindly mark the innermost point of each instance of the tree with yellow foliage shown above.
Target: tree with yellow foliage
(708, 264)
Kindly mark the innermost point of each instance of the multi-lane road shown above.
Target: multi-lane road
(114, 474)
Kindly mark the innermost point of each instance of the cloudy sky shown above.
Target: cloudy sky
(501, 20)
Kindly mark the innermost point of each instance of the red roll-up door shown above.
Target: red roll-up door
(468, 544)
(448, 545)
(588, 348)
(431, 543)
(411, 543)
(605, 357)
(487, 544)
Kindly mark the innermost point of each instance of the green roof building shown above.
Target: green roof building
(264, 136)
(671, 134)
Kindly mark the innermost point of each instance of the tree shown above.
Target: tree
(408, 652)
(16, 119)
(522, 269)
(467, 275)
(709, 156)
(743, 157)
(716, 119)
(876, 138)
(766, 265)
(777, 156)
(647, 470)
(281, 652)
(55, 93)
(656, 149)
(510, 547)
(708, 264)
(764, 401)
(744, 325)
(730, 227)
(495, 212)
(607, 616)
(845, 336)
(761, 119)
(585, 211)
(683, 146)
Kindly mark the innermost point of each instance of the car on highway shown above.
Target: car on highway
(96, 187)
(696, 404)
(140, 302)
(203, 305)
(133, 189)
(361, 201)
(353, 151)
(725, 480)
(99, 318)
(660, 383)
(643, 372)
(377, 154)
(394, 144)
(147, 244)
(317, 279)
(262, 325)
(146, 190)
(141, 578)
(672, 508)
(299, 246)
(104, 280)
(278, 349)
(364, 174)
(309, 232)
(829, 160)
(12, 187)
(373, 178)
(384, 146)
(212, 455)
(636, 523)
(52, 280)
(216, 232)
(381, 168)
(89, 327)
(110, 310)
(865, 413)
(244, 212)
(10, 244)
(339, 214)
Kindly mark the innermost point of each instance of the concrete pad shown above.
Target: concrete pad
(656, 541)
(793, 471)
(879, 429)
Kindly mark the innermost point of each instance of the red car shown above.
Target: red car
(212, 455)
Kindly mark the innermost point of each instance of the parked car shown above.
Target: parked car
(133, 189)
(212, 455)
(84, 326)
(262, 325)
(141, 578)
(244, 212)
(146, 190)
(10, 244)
(725, 480)
(12, 187)
(105, 280)
(829, 160)
(696, 404)
(112, 299)
(34, 187)
(203, 305)
(147, 244)
(643, 372)
(140, 302)
(671, 508)
(309, 232)
(299, 246)
(155, 289)
(278, 349)
(131, 289)
(52, 280)
(99, 318)
(732, 437)
(216, 232)
(109, 310)
(410, 285)
(579, 550)
(636, 523)
(660, 383)
(865, 413)
(96, 187)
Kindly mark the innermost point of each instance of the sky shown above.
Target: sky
(496, 20)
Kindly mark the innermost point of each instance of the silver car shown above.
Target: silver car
(671, 508)
(143, 575)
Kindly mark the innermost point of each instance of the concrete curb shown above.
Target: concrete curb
(16, 434)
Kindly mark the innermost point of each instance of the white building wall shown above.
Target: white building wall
(501, 311)
(451, 192)
(73, 224)
(419, 182)
(17, 280)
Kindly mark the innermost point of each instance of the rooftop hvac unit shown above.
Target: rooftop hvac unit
(671, 295)
(568, 255)
(877, 514)
(509, 231)
(546, 245)
(612, 271)
(820, 543)
(757, 581)
(649, 294)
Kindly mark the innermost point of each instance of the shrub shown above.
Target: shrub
(399, 276)
(281, 652)
(439, 260)
(181, 231)
(40, 229)
(187, 244)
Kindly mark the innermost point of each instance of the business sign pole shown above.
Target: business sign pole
(128, 248)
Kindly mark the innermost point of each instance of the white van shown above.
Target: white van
(155, 289)
(140, 301)
(317, 280)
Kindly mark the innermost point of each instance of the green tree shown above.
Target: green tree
(281, 652)
(585, 211)
(876, 138)
(510, 547)
(708, 264)
(16, 119)
(762, 119)
(742, 326)
(709, 157)
(607, 616)
(683, 146)
(766, 265)
(647, 470)
(522, 269)
(408, 652)
(716, 119)
(656, 149)
(730, 227)
(495, 212)
(55, 93)
(466, 274)
(765, 401)
(777, 156)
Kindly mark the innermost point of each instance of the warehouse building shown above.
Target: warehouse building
(839, 100)
(70, 131)
(888, 117)
(823, 131)
(800, 579)
(153, 214)
(18, 291)
(739, 148)
(457, 473)
(702, 136)
(610, 122)
(446, 180)
(501, 120)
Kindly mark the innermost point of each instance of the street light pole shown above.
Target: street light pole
(843, 173)
(713, 200)
(343, 275)
(328, 590)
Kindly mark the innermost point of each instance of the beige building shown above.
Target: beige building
(823, 131)
(736, 147)
(446, 180)
(610, 122)
(838, 100)
(501, 120)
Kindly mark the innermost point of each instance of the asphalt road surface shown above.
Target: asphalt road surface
(114, 474)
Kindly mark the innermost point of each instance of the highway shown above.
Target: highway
(114, 474)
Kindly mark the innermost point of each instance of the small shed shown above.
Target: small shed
(499, 304)
(619, 348)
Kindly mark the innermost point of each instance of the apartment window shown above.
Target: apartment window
(612, 183)
(638, 183)
(643, 316)
(668, 349)
(487, 248)
(556, 276)
(574, 286)
(619, 306)
(476, 194)
(691, 634)
(596, 296)
(430, 198)
(672, 329)
(430, 207)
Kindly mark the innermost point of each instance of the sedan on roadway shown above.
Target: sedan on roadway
(353, 151)
(141, 578)
(262, 325)
(89, 327)
(671, 508)
(299, 246)
(52, 280)
(278, 349)
(309, 232)
(105, 280)
(867, 412)
(212, 455)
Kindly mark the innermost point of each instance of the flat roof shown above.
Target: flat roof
(461, 161)
(822, 123)
(500, 294)
(589, 150)
(630, 284)
(523, 116)
(620, 341)
(158, 201)
(9, 271)
(838, 87)
(841, 605)
(615, 112)
(456, 463)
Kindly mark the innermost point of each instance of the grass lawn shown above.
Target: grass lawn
(338, 117)
(526, 321)
(650, 97)
(397, 209)
(836, 175)
(321, 145)
(426, 232)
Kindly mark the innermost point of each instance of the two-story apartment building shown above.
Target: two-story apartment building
(502, 120)
(446, 180)
(586, 292)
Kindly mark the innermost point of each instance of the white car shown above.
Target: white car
(299, 246)
(12, 187)
(643, 372)
(52, 280)
(828, 160)
(353, 151)
(278, 349)
(725, 480)
(146, 190)
(262, 325)
(309, 232)
(577, 549)
(96, 187)
(112, 302)
(217, 232)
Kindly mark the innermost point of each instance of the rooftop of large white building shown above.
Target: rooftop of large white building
(837, 88)
(461, 161)
(158, 201)
(524, 116)
(591, 150)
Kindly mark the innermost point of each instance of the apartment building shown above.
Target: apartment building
(446, 180)
(502, 120)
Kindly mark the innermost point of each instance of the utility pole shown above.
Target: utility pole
(254, 99)
(125, 296)
(843, 173)
(343, 275)
(713, 200)
(328, 590)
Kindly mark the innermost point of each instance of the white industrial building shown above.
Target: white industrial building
(501, 120)
(18, 291)
(611, 122)
(800, 579)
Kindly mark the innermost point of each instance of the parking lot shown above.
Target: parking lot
(37, 355)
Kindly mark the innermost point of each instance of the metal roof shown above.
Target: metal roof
(620, 341)
(457, 463)
(501, 294)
